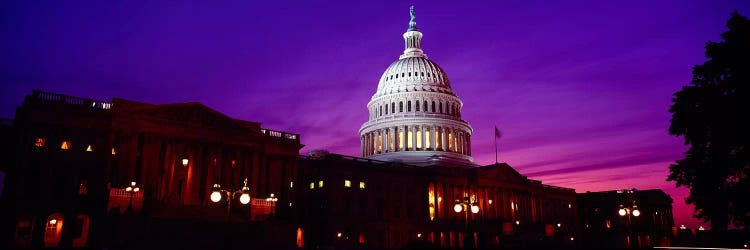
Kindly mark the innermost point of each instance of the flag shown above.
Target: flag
(497, 133)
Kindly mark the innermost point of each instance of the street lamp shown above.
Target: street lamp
(465, 205)
(131, 190)
(272, 200)
(244, 196)
(630, 212)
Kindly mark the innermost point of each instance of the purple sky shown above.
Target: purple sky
(581, 89)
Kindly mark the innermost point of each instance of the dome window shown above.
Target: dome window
(422, 74)
(408, 106)
(402, 74)
(400, 107)
(396, 76)
(393, 107)
(425, 106)
(409, 74)
(417, 106)
(441, 107)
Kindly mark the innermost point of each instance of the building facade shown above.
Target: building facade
(626, 218)
(359, 202)
(75, 160)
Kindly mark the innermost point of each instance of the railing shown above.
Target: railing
(279, 134)
(72, 100)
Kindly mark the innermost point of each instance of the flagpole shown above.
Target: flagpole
(495, 133)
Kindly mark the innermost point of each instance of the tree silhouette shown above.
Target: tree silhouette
(713, 114)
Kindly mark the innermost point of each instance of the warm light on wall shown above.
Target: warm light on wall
(300, 238)
(489, 201)
(65, 145)
(52, 221)
(185, 162)
(114, 151)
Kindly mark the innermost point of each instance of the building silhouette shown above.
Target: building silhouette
(609, 218)
(125, 174)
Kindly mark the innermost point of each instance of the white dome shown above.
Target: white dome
(415, 117)
(412, 74)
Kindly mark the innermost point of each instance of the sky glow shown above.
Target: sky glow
(580, 89)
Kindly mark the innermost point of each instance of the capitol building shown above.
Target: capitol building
(415, 117)
(126, 174)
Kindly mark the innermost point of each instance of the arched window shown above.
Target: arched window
(433, 106)
(386, 109)
(403, 74)
(409, 74)
(441, 107)
(417, 106)
(400, 107)
(381, 111)
(422, 74)
(425, 106)
(408, 106)
(396, 76)
(393, 107)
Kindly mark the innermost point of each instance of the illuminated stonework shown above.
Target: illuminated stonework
(415, 117)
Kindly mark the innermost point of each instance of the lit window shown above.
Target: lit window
(362, 184)
(409, 139)
(320, 184)
(65, 145)
(89, 148)
(570, 205)
(114, 151)
(39, 142)
(291, 184)
(347, 183)
(312, 185)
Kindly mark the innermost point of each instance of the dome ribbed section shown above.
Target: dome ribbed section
(413, 74)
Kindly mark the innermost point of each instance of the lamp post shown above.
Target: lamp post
(272, 200)
(630, 212)
(131, 190)
(244, 197)
(464, 206)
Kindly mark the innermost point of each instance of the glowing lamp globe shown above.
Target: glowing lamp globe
(458, 208)
(622, 212)
(216, 196)
(636, 212)
(245, 198)
(136, 189)
(128, 189)
(474, 209)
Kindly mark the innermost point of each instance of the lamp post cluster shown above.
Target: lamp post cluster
(465, 205)
(244, 193)
(131, 190)
(631, 211)
(272, 200)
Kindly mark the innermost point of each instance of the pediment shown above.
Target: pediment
(500, 173)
